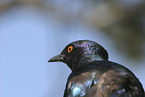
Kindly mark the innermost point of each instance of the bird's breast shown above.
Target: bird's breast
(79, 84)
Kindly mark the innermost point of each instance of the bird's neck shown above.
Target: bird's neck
(86, 59)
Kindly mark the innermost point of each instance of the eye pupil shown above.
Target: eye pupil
(70, 48)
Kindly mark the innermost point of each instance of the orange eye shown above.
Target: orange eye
(70, 48)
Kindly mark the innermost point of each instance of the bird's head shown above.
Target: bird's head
(80, 52)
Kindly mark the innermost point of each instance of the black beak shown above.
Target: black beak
(58, 58)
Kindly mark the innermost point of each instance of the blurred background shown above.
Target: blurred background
(33, 31)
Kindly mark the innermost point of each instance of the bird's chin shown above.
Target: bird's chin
(57, 58)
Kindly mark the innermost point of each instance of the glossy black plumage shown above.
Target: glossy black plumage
(93, 75)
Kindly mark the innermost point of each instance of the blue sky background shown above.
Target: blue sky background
(29, 38)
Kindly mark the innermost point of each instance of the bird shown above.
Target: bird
(93, 75)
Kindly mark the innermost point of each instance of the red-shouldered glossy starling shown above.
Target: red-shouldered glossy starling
(93, 75)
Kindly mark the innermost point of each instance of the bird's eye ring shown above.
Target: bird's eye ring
(70, 48)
